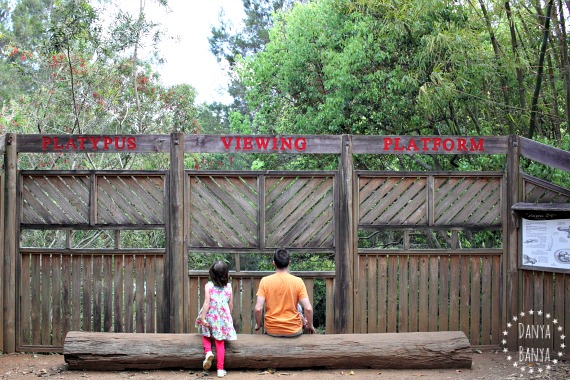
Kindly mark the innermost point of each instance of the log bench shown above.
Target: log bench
(131, 351)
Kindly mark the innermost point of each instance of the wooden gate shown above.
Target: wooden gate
(66, 285)
(430, 253)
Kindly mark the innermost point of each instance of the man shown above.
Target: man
(281, 292)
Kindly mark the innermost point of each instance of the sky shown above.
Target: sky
(189, 60)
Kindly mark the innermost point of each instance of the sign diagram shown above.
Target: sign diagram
(546, 243)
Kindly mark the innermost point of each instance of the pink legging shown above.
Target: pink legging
(220, 350)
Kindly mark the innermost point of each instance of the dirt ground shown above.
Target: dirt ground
(486, 365)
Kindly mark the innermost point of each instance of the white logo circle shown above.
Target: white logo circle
(534, 355)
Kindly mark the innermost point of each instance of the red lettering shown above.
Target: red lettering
(262, 143)
(94, 141)
(71, 145)
(45, 142)
(448, 144)
(57, 146)
(106, 142)
(286, 143)
(120, 146)
(397, 146)
(477, 146)
(247, 143)
(82, 140)
(436, 143)
(301, 143)
(275, 143)
(412, 145)
(226, 143)
(425, 141)
(461, 144)
(131, 143)
(387, 143)
(238, 139)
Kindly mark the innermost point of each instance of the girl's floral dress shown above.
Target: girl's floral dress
(219, 316)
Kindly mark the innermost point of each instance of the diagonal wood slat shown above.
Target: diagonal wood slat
(222, 211)
(55, 199)
(300, 213)
(310, 223)
(208, 214)
(467, 200)
(130, 201)
(538, 191)
(393, 200)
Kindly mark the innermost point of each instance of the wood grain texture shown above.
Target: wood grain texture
(121, 351)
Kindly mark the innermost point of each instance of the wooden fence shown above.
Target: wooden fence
(545, 291)
(419, 275)
(413, 251)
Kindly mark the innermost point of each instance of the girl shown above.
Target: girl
(215, 316)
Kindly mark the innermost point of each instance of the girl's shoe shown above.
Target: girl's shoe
(207, 363)
(221, 373)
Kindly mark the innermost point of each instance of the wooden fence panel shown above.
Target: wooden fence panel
(62, 292)
(437, 292)
(393, 200)
(53, 199)
(545, 292)
(299, 212)
(546, 295)
(222, 213)
(468, 200)
(63, 199)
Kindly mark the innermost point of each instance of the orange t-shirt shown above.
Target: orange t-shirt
(282, 292)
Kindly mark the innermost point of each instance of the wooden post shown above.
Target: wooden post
(511, 258)
(2, 240)
(10, 228)
(176, 256)
(344, 261)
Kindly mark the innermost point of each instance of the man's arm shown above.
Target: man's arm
(258, 311)
(308, 311)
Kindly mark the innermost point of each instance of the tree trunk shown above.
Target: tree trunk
(534, 107)
(121, 351)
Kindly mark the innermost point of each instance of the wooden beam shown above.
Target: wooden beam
(511, 238)
(344, 257)
(176, 257)
(10, 244)
(545, 154)
(122, 351)
(430, 144)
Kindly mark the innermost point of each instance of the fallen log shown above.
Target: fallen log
(122, 351)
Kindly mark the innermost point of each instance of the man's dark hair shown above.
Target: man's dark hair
(281, 258)
(219, 274)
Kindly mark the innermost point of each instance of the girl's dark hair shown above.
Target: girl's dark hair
(219, 274)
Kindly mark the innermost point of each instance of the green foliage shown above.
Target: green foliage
(422, 68)
(73, 73)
